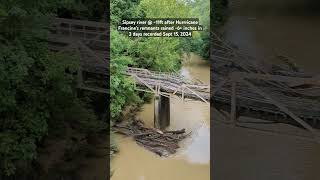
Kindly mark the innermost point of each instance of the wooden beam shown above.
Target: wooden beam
(80, 77)
(233, 102)
(94, 89)
(81, 22)
(282, 108)
(219, 86)
(197, 95)
(268, 77)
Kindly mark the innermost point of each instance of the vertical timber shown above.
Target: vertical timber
(161, 112)
(233, 102)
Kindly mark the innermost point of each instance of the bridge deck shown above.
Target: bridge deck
(169, 83)
(244, 82)
(89, 40)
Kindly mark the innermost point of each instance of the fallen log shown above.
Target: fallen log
(159, 142)
(177, 132)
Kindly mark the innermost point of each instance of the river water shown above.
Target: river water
(192, 161)
(264, 28)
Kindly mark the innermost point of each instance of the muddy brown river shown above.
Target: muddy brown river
(266, 28)
(262, 29)
(192, 161)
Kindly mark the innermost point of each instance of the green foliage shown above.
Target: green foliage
(160, 54)
(121, 88)
(219, 12)
(33, 86)
(201, 10)
(93, 10)
(121, 9)
(200, 41)
(36, 86)
(165, 8)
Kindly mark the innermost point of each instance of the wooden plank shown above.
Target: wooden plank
(80, 77)
(278, 78)
(95, 89)
(233, 102)
(68, 39)
(81, 22)
(169, 83)
(282, 108)
(219, 86)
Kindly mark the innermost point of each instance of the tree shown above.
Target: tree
(34, 84)
(219, 12)
(160, 54)
(165, 8)
(93, 10)
(124, 9)
(121, 88)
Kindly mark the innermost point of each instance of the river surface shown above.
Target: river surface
(264, 28)
(192, 160)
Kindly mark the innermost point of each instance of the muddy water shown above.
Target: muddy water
(192, 160)
(263, 28)
(267, 27)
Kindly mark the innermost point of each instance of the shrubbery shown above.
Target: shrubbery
(37, 87)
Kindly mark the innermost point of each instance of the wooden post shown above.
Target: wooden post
(182, 91)
(156, 112)
(219, 86)
(80, 77)
(84, 32)
(164, 112)
(58, 29)
(233, 102)
(284, 109)
(161, 112)
(70, 31)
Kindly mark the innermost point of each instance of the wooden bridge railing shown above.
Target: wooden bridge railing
(169, 76)
(166, 84)
(90, 41)
(238, 79)
(69, 30)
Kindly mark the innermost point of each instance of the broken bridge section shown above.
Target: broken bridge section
(89, 40)
(164, 85)
(167, 84)
(246, 86)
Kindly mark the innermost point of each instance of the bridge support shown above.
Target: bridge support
(161, 112)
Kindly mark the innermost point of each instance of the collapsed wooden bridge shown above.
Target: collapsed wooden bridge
(241, 84)
(166, 84)
(245, 86)
(88, 40)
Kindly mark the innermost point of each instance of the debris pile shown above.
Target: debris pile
(160, 142)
